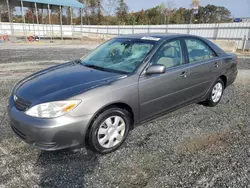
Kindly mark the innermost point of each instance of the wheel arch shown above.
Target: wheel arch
(224, 79)
(121, 105)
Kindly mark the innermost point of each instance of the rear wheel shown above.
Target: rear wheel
(109, 130)
(215, 94)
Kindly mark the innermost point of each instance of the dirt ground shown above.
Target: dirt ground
(195, 146)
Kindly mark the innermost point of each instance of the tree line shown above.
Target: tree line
(117, 12)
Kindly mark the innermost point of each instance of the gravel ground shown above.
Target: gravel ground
(195, 146)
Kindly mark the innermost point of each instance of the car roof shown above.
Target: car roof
(162, 36)
(166, 36)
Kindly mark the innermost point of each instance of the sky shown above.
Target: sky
(238, 8)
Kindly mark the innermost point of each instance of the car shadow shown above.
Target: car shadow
(65, 168)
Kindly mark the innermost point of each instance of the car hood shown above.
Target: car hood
(61, 82)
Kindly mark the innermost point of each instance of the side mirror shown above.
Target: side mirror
(156, 69)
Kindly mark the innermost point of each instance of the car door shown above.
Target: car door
(204, 66)
(161, 92)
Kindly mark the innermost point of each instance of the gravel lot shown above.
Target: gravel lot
(195, 146)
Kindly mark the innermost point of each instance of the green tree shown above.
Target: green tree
(178, 16)
(153, 15)
(4, 16)
(213, 14)
(93, 12)
(223, 14)
(29, 15)
(116, 12)
(100, 17)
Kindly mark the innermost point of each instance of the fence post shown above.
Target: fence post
(24, 23)
(61, 22)
(244, 43)
(37, 21)
(81, 24)
(50, 23)
(71, 23)
(119, 30)
(107, 31)
(166, 28)
(148, 28)
(97, 32)
(133, 29)
(216, 32)
(248, 38)
(43, 24)
(89, 29)
(188, 29)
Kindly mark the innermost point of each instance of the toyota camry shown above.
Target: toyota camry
(95, 101)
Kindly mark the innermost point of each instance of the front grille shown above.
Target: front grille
(18, 133)
(22, 104)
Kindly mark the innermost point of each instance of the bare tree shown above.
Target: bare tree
(167, 10)
(122, 11)
(1, 8)
(86, 9)
(110, 7)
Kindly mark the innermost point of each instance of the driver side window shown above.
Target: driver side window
(169, 55)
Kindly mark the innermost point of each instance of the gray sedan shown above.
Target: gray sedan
(95, 101)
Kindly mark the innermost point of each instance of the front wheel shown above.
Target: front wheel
(109, 130)
(215, 94)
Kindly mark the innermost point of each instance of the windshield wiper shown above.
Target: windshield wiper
(95, 67)
(105, 69)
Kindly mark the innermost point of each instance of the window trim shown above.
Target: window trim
(202, 41)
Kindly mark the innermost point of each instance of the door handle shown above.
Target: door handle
(184, 74)
(216, 65)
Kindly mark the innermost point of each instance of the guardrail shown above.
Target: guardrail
(238, 32)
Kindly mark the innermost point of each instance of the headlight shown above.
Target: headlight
(52, 109)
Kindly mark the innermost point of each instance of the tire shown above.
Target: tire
(214, 98)
(105, 130)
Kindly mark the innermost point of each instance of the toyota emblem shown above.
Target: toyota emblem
(15, 98)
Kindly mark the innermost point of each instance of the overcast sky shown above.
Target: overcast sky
(238, 8)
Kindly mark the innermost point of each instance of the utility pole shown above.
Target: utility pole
(0, 18)
(10, 17)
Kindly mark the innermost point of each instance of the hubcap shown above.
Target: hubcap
(111, 132)
(217, 92)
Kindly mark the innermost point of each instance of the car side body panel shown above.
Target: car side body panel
(124, 90)
(162, 92)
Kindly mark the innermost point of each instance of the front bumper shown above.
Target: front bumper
(49, 134)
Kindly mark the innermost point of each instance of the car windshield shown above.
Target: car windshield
(119, 55)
